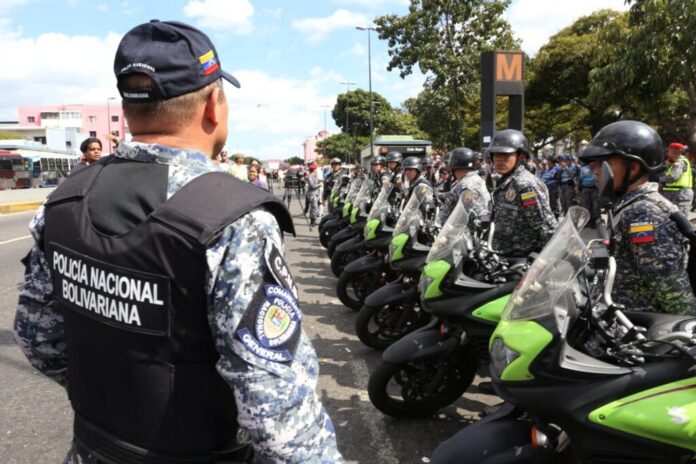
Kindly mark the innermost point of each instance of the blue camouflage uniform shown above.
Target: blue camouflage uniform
(472, 189)
(551, 179)
(277, 403)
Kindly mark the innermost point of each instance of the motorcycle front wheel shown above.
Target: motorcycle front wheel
(353, 288)
(380, 326)
(340, 260)
(419, 388)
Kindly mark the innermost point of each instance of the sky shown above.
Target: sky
(290, 56)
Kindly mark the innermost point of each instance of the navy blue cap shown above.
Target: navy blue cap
(178, 57)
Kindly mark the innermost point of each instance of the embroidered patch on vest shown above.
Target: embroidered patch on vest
(510, 194)
(641, 232)
(529, 199)
(278, 268)
(270, 328)
(468, 197)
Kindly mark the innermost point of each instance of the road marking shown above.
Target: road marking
(372, 418)
(15, 239)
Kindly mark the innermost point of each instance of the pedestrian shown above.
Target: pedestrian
(91, 149)
(468, 186)
(676, 182)
(223, 161)
(238, 169)
(650, 251)
(313, 195)
(523, 219)
(589, 198)
(254, 178)
(552, 180)
(569, 173)
(156, 291)
(442, 185)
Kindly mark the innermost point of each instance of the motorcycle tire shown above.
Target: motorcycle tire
(325, 234)
(379, 327)
(411, 379)
(353, 288)
(340, 260)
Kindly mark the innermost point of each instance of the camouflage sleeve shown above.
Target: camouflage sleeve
(678, 168)
(658, 256)
(38, 325)
(538, 221)
(277, 400)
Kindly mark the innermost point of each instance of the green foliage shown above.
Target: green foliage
(357, 103)
(343, 146)
(445, 38)
(401, 122)
(649, 70)
(8, 135)
(294, 160)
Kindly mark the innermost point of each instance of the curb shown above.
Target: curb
(20, 206)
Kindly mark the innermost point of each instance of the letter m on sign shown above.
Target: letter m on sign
(508, 67)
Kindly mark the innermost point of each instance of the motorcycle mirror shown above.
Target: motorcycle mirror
(579, 215)
(606, 186)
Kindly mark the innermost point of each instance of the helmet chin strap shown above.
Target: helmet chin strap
(627, 180)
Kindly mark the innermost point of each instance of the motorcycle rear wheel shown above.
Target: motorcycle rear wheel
(400, 390)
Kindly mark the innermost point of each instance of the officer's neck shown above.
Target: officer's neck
(634, 186)
(179, 140)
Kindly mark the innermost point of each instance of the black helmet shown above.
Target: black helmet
(632, 140)
(378, 159)
(427, 162)
(336, 161)
(509, 141)
(413, 162)
(446, 158)
(462, 158)
(395, 156)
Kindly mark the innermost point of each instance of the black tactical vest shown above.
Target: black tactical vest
(141, 359)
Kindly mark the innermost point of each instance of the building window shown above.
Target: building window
(92, 119)
(114, 118)
(31, 119)
(68, 144)
(115, 133)
(92, 133)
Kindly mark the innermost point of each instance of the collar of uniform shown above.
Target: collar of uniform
(646, 188)
(154, 153)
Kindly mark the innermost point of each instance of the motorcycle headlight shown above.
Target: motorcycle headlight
(501, 357)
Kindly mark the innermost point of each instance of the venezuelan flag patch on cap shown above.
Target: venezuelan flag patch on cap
(528, 198)
(641, 232)
(209, 63)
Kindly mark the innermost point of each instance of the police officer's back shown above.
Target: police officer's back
(523, 219)
(649, 249)
(157, 292)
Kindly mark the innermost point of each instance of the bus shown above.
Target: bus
(37, 166)
(13, 174)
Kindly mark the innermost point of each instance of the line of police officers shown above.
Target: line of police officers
(219, 347)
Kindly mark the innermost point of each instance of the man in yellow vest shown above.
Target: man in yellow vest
(676, 182)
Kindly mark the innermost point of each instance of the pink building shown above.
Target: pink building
(88, 120)
(310, 145)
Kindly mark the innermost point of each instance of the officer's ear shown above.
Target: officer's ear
(215, 106)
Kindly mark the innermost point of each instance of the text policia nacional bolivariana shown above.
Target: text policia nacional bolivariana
(102, 292)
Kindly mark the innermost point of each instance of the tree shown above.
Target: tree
(294, 160)
(445, 38)
(343, 146)
(401, 122)
(357, 103)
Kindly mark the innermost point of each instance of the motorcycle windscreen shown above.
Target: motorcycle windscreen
(411, 216)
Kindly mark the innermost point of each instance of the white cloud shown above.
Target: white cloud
(6, 5)
(318, 28)
(356, 50)
(104, 8)
(232, 16)
(55, 68)
(534, 21)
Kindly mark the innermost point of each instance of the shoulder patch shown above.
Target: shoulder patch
(270, 328)
(641, 232)
(278, 268)
(510, 194)
(528, 198)
(468, 197)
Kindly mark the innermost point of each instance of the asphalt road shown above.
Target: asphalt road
(36, 419)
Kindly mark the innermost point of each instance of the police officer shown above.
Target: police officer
(567, 181)
(394, 161)
(166, 309)
(552, 179)
(330, 179)
(379, 173)
(588, 193)
(676, 182)
(428, 171)
(312, 196)
(468, 185)
(650, 251)
(523, 220)
(413, 172)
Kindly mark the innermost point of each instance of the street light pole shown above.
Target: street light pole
(369, 68)
(347, 130)
(323, 151)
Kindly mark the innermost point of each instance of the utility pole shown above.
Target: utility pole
(347, 130)
(323, 150)
(369, 70)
